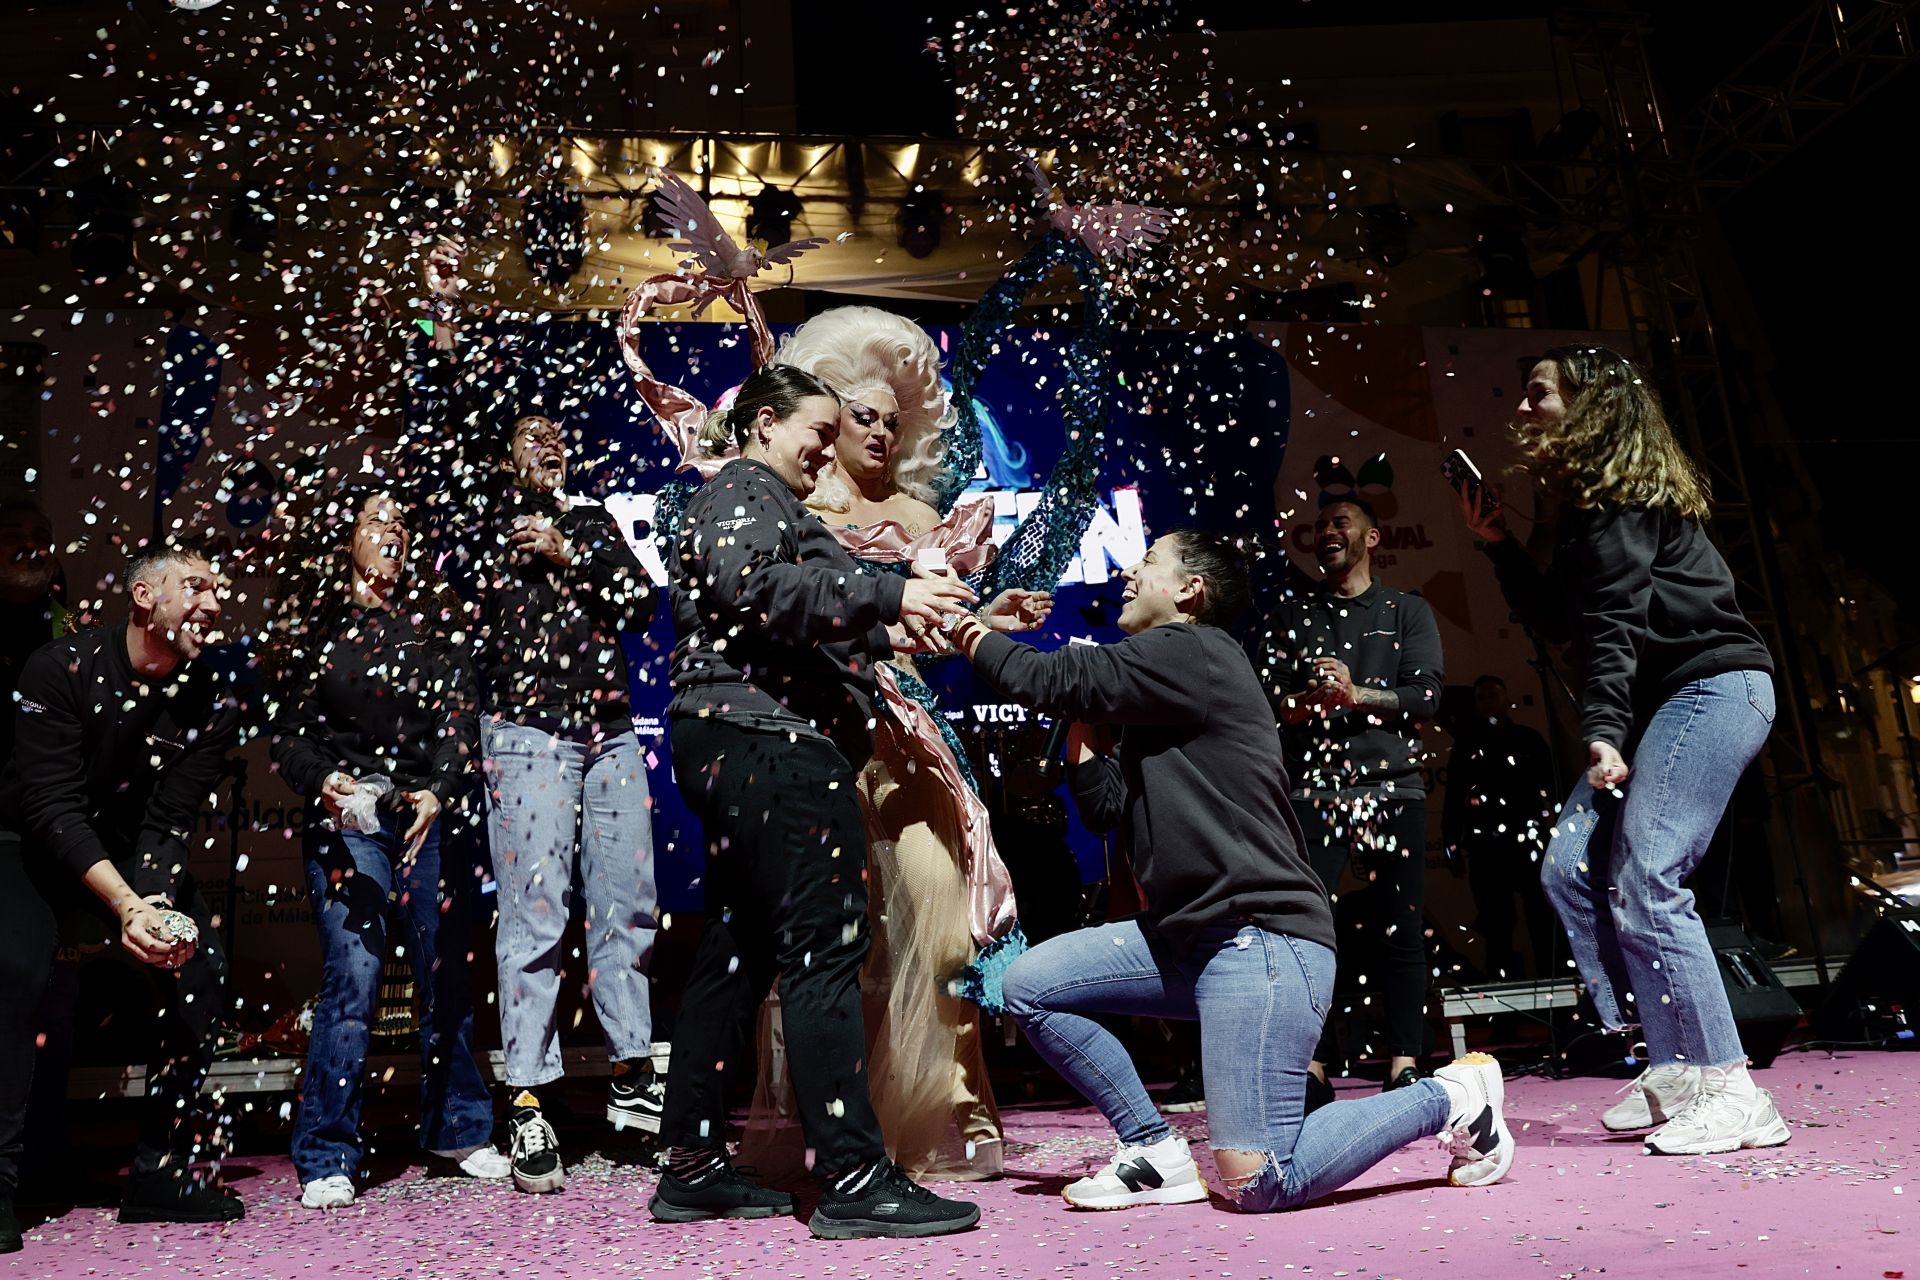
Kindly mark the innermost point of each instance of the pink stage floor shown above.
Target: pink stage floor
(1580, 1201)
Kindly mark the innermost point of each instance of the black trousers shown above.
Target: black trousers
(177, 1046)
(1501, 874)
(786, 896)
(1387, 943)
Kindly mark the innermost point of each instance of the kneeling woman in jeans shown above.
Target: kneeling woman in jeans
(1237, 933)
(371, 685)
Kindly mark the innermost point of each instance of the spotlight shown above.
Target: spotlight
(255, 219)
(103, 216)
(921, 214)
(770, 216)
(553, 227)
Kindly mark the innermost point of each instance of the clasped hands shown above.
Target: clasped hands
(934, 602)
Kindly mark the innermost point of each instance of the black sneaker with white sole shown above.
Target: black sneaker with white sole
(882, 1201)
(535, 1150)
(1187, 1094)
(719, 1192)
(637, 1100)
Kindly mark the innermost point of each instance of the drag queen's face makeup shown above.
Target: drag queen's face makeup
(869, 434)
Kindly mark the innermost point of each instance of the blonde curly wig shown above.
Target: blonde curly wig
(859, 350)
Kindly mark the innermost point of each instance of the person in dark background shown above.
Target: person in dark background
(1502, 793)
(32, 598)
(375, 682)
(1351, 667)
(121, 734)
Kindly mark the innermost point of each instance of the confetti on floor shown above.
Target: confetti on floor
(1580, 1201)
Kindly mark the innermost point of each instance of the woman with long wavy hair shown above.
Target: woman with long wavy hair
(1678, 701)
(375, 703)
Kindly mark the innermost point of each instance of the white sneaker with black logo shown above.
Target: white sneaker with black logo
(1476, 1135)
(1162, 1173)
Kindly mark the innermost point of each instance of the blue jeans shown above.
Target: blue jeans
(549, 795)
(1261, 999)
(358, 883)
(1614, 868)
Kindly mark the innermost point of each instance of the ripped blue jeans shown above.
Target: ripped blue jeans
(1260, 999)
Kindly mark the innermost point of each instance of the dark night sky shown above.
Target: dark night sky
(1823, 239)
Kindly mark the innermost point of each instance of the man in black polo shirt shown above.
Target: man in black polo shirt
(119, 738)
(1352, 667)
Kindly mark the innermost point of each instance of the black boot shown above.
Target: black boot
(9, 1225)
(173, 1193)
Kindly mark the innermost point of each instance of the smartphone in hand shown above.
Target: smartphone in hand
(1459, 471)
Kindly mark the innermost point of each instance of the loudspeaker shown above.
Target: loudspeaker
(1763, 1009)
(1872, 997)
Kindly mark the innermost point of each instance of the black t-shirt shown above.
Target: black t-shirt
(1503, 789)
(1199, 789)
(23, 628)
(1389, 640)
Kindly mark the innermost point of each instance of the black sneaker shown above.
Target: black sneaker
(1319, 1093)
(886, 1202)
(1187, 1094)
(10, 1241)
(720, 1192)
(636, 1100)
(175, 1195)
(534, 1149)
(1407, 1076)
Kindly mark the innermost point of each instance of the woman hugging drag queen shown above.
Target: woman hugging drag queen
(940, 892)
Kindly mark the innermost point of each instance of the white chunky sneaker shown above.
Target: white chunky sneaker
(1476, 1132)
(1163, 1173)
(335, 1192)
(1655, 1096)
(479, 1162)
(1729, 1113)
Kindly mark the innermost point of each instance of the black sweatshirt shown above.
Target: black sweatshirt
(378, 696)
(1389, 640)
(1647, 601)
(111, 767)
(779, 629)
(550, 636)
(1200, 788)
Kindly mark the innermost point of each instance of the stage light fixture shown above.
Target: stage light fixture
(921, 215)
(770, 216)
(255, 219)
(553, 229)
(103, 216)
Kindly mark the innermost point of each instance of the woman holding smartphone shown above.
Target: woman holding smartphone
(1678, 700)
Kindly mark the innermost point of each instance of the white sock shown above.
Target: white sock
(1739, 1082)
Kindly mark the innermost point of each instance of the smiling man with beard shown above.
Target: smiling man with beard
(120, 735)
(1352, 667)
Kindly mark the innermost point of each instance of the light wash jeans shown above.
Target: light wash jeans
(360, 886)
(1260, 999)
(548, 796)
(1614, 866)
